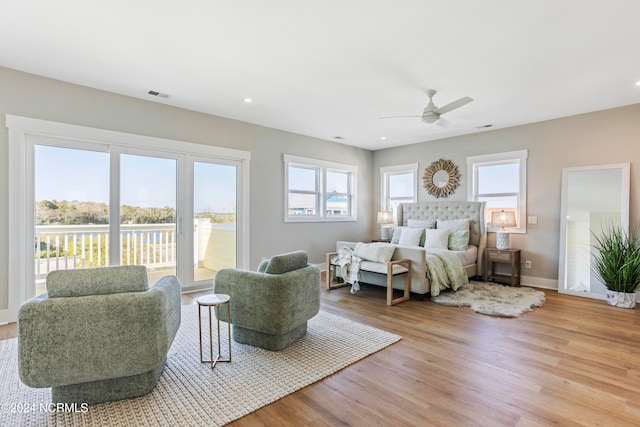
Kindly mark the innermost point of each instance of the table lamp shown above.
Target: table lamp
(384, 219)
(503, 219)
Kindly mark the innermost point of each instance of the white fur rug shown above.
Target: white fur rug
(493, 299)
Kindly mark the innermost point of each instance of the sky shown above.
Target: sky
(82, 175)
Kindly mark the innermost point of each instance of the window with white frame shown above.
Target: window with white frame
(318, 190)
(500, 180)
(398, 185)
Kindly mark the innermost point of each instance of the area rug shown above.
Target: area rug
(493, 299)
(192, 394)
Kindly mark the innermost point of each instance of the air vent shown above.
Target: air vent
(484, 126)
(158, 94)
(338, 137)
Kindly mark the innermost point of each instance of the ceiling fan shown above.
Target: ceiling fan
(432, 114)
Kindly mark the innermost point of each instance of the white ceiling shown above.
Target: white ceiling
(330, 68)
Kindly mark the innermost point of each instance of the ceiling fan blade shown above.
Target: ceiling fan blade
(453, 105)
(396, 117)
(444, 123)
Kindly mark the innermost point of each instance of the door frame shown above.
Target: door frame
(22, 133)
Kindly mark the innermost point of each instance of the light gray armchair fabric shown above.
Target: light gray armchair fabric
(270, 308)
(98, 334)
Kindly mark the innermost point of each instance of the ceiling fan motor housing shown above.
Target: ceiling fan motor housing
(430, 117)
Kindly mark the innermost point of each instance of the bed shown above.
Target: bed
(471, 258)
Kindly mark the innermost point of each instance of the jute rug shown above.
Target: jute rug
(493, 299)
(190, 393)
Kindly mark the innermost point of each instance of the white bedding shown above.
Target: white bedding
(468, 257)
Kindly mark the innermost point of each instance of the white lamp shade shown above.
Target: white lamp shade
(503, 219)
(385, 218)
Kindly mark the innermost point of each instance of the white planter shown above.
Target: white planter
(621, 299)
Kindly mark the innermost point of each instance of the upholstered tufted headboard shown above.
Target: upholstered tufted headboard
(450, 210)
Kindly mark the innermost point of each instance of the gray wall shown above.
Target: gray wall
(609, 136)
(41, 98)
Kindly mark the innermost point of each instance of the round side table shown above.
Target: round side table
(214, 300)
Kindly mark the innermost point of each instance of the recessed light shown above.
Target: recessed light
(248, 100)
(638, 83)
(484, 126)
(383, 138)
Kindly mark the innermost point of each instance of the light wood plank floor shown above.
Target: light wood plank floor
(575, 361)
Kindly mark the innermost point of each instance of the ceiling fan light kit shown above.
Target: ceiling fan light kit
(432, 114)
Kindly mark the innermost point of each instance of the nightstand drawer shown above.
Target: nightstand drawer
(499, 256)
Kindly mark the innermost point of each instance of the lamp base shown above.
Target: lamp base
(502, 240)
(386, 232)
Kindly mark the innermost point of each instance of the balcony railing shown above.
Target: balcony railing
(86, 246)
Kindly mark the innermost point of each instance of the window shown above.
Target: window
(317, 190)
(500, 180)
(82, 197)
(398, 186)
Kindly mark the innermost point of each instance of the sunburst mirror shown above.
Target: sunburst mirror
(441, 178)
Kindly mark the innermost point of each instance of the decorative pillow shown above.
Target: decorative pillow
(396, 235)
(421, 223)
(376, 252)
(436, 239)
(454, 224)
(411, 236)
(458, 240)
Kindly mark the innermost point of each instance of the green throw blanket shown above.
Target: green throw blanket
(444, 271)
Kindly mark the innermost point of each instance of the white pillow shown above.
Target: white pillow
(410, 236)
(375, 252)
(436, 238)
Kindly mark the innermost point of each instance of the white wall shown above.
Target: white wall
(38, 97)
(609, 136)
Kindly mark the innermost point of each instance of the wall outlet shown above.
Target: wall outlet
(532, 220)
(527, 264)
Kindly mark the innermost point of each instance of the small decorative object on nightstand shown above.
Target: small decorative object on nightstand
(502, 256)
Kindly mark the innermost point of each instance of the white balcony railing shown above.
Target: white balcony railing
(85, 246)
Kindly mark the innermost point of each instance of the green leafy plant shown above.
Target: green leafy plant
(617, 258)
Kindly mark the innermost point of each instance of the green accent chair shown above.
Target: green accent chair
(98, 334)
(270, 307)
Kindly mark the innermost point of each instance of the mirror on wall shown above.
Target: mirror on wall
(593, 197)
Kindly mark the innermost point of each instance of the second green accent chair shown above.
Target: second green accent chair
(270, 307)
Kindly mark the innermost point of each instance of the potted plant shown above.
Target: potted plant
(617, 262)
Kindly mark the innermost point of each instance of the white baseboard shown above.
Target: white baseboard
(539, 282)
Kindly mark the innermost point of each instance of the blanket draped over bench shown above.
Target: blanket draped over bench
(349, 267)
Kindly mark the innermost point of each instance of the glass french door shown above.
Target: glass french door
(84, 197)
(148, 214)
(130, 207)
(215, 218)
(71, 210)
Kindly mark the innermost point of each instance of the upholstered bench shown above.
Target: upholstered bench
(377, 273)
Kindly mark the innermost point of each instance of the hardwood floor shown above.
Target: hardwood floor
(575, 361)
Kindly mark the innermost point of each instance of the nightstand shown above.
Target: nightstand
(495, 256)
